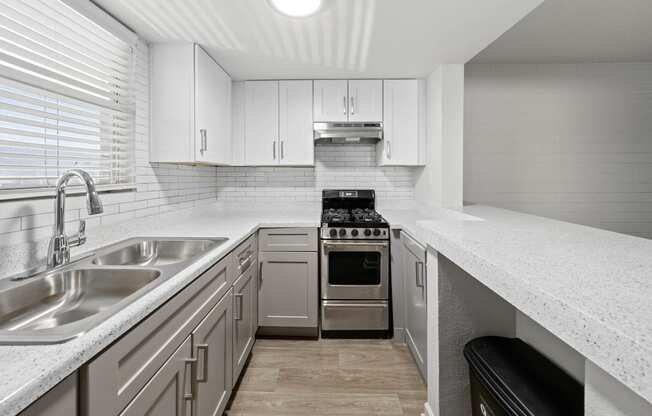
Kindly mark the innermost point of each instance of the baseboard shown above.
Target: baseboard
(399, 335)
(427, 410)
(290, 332)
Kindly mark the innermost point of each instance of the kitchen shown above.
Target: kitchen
(276, 207)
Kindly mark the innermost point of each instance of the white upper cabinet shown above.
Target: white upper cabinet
(403, 141)
(261, 123)
(277, 124)
(212, 111)
(365, 100)
(295, 123)
(331, 100)
(354, 100)
(191, 106)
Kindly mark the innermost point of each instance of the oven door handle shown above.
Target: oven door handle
(355, 243)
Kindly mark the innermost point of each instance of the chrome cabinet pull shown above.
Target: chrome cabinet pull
(282, 150)
(193, 363)
(344, 104)
(203, 143)
(203, 348)
(352, 106)
(238, 306)
(389, 149)
(419, 273)
(274, 149)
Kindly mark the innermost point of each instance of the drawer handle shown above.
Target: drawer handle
(419, 273)
(203, 348)
(238, 306)
(244, 264)
(193, 363)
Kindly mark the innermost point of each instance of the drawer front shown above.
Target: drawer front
(245, 256)
(414, 246)
(288, 239)
(369, 315)
(113, 379)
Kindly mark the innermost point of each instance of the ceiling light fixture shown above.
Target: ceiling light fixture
(296, 8)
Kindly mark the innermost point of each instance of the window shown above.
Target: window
(66, 86)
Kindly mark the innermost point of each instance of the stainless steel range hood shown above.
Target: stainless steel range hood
(347, 132)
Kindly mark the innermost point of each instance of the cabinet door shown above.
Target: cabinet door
(330, 100)
(415, 301)
(261, 123)
(295, 123)
(212, 342)
(400, 123)
(365, 100)
(170, 391)
(212, 111)
(244, 330)
(287, 292)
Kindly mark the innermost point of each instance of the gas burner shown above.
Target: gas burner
(334, 215)
(350, 215)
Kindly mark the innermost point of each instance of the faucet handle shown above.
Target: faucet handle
(80, 237)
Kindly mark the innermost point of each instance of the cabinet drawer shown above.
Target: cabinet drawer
(288, 239)
(414, 246)
(113, 379)
(245, 256)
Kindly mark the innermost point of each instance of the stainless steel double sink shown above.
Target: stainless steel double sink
(64, 303)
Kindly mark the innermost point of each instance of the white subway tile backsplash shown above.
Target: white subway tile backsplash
(336, 166)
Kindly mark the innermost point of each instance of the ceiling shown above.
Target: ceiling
(577, 31)
(346, 38)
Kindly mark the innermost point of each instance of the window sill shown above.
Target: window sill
(37, 193)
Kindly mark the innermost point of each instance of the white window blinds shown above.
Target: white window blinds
(65, 97)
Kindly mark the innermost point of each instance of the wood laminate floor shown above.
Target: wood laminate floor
(333, 377)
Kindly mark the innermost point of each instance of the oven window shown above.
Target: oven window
(353, 268)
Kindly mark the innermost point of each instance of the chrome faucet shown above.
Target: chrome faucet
(60, 244)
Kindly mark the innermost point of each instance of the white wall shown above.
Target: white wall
(440, 182)
(336, 166)
(567, 141)
(159, 188)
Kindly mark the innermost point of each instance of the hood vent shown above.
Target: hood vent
(347, 132)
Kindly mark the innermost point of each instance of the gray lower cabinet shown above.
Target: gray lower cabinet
(288, 290)
(212, 346)
(245, 298)
(170, 391)
(414, 279)
(113, 379)
(60, 401)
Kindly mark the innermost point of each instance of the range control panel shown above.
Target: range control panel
(351, 233)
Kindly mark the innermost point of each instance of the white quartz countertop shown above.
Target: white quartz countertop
(28, 371)
(591, 288)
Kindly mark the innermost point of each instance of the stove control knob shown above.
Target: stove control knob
(333, 232)
(376, 232)
(367, 232)
(342, 232)
(354, 233)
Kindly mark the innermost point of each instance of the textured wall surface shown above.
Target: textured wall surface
(336, 166)
(567, 141)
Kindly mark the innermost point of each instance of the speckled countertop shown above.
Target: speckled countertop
(28, 371)
(591, 288)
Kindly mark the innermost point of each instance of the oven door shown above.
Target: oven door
(354, 269)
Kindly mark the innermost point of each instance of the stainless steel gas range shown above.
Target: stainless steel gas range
(354, 244)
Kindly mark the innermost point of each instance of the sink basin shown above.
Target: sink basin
(157, 252)
(64, 303)
(57, 306)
